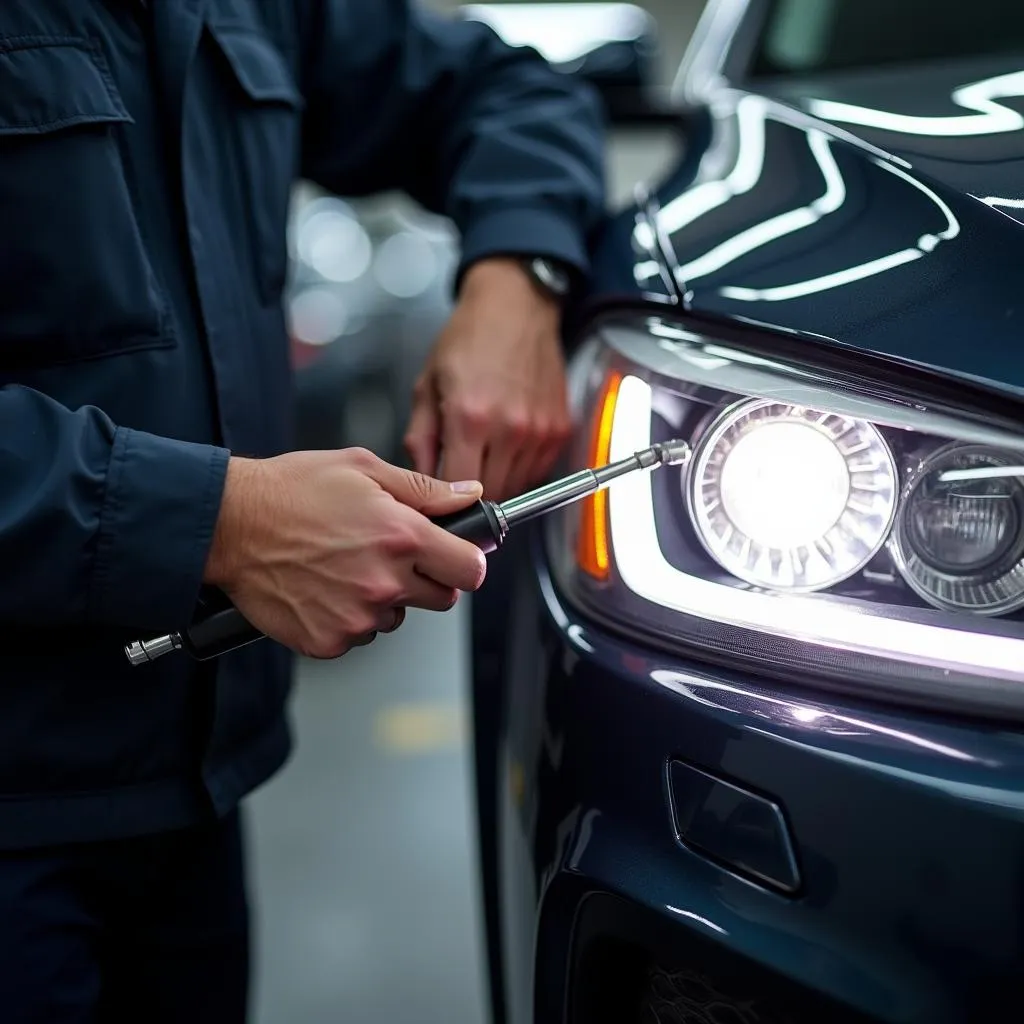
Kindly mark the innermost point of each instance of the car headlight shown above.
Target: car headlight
(838, 517)
(791, 498)
(960, 540)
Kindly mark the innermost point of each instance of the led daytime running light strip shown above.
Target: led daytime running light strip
(642, 566)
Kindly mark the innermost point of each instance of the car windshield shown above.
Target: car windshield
(811, 36)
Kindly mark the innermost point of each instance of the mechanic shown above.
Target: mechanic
(147, 151)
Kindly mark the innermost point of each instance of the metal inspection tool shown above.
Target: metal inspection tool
(485, 524)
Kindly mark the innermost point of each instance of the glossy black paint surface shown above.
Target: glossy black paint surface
(884, 243)
(907, 826)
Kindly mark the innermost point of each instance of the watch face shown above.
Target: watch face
(551, 276)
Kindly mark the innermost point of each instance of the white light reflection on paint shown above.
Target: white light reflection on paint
(925, 244)
(823, 283)
(990, 117)
(576, 635)
(952, 228)
(644, 236)
(646, 270)
(700, 920)
(1013, 204)
(776, 227)
(644, 569)
(745, 174)
(750, 115)
(806, 714)
(682, 684)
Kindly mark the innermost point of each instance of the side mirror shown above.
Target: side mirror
(613, 46)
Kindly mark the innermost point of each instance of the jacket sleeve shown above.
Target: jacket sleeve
(98, 523)
(490, 135)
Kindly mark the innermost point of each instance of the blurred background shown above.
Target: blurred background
(363, 862)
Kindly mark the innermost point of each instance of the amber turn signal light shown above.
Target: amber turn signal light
(592, 550)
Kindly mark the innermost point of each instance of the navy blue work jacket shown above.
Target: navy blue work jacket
(147, 152)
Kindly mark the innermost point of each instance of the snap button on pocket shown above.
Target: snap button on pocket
(75, 280)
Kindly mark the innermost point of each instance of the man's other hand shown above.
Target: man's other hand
(491, 403)
(323, 550)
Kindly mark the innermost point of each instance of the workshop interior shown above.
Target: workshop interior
(742, 740)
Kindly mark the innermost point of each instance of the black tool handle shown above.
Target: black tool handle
(479, 524)
(226, 629)
(223, 631)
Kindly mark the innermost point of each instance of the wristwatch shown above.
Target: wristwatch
(551, 277)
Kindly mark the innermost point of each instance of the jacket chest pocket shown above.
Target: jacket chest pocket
(75, 279)
(265, 132)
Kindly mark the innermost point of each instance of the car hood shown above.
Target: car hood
(962, 122)
(883, 235)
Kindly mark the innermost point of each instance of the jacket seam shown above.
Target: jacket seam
(94, 49)
(9, 44)
(60, 122)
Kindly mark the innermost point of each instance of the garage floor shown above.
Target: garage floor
(363, 877)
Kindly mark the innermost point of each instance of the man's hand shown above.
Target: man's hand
(491, 403)
(322, 550)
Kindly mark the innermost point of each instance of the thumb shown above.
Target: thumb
(424, 493)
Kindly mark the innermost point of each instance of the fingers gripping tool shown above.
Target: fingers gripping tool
(486, 524)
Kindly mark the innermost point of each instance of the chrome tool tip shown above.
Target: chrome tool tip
(136, 653)
(666, 453)
(674, 453)
(143, 651)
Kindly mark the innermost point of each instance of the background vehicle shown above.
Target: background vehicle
(369, 290)
(753, 765)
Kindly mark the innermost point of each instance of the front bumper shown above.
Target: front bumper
(905, 830)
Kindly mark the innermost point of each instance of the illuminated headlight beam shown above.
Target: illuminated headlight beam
(643, 568)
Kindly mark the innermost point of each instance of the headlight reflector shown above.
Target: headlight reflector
(959, 541)
(790, 498)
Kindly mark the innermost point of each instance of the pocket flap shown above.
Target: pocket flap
(261, 71)
(49, 84)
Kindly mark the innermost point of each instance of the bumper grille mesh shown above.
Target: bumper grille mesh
(689, 997)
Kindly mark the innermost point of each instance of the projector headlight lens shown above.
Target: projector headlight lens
(790, 498)
(959, 541)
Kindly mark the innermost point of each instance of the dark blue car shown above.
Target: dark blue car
(750, 733)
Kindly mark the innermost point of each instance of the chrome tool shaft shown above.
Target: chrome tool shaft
(571, 488)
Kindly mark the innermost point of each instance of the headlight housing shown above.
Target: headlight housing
(834, 524)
